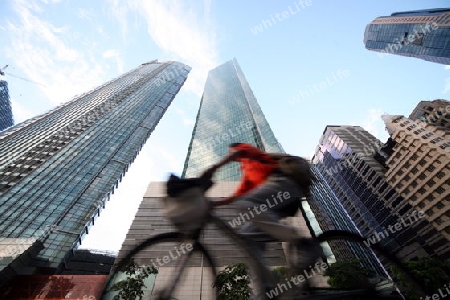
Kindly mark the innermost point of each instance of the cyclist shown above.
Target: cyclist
(267, 195)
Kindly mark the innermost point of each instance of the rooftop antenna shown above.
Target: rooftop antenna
(3, 73)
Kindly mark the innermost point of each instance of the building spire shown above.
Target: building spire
(389, 122)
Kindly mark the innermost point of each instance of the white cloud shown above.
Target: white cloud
(50, 1)
(20, 113)
(111, 53)
(373, 123)
(186, 120)
(85, 14)
(40, 50)
(446, 85)
(179, 31)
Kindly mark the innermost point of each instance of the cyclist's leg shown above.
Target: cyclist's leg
(270, 201)
(264, 205)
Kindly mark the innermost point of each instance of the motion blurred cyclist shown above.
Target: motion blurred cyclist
(261, 182)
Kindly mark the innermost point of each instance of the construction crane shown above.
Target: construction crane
(3, 73)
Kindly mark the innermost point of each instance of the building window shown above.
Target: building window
(422, 176)
(422, 162)
(445, 145)
(440, 190)
(431, 168)
(425, 136)
(431, 183)
(439, 221)
(430, 212)
(440, 175)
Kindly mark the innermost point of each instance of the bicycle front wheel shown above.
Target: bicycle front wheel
(182, 264)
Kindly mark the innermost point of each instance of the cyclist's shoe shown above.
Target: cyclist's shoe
(303, 254)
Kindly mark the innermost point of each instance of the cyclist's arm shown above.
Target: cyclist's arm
(229, 158)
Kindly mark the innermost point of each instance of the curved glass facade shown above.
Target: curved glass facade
(422, 34)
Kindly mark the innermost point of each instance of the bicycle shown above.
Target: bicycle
(190, 231)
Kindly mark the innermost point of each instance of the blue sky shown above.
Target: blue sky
(69, 47)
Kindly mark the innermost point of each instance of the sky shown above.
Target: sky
(304, 60)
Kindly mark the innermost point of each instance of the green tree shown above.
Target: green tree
(131, 287)
(432, 273)
(233, 283)
(280, 273)
(349, 275)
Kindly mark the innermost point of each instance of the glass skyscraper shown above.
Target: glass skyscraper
(58, 169)
(229, 113)
(424, 34)
(349, 160)
(331, 215)
(6, 116)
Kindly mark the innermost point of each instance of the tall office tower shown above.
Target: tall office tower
(331, 215)
(419, 169)
(436, 112)
(346, 158)
(228, 113)
(424, 34)
(6, 116)
(58, 169)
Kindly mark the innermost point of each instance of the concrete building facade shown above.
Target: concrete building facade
(419, 170)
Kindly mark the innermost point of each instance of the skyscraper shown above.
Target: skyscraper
(419, 170)
(436, 113)
(58, 169)
(348, 160)
(229, 112)
(331, 215)
(6, 117)
(424, 34)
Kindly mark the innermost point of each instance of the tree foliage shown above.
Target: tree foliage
(349, 275)
(432, 273)
(233, 283)
(280, 273)
(131, 287)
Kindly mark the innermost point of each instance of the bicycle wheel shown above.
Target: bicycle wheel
(343, 235)
(180, 261)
